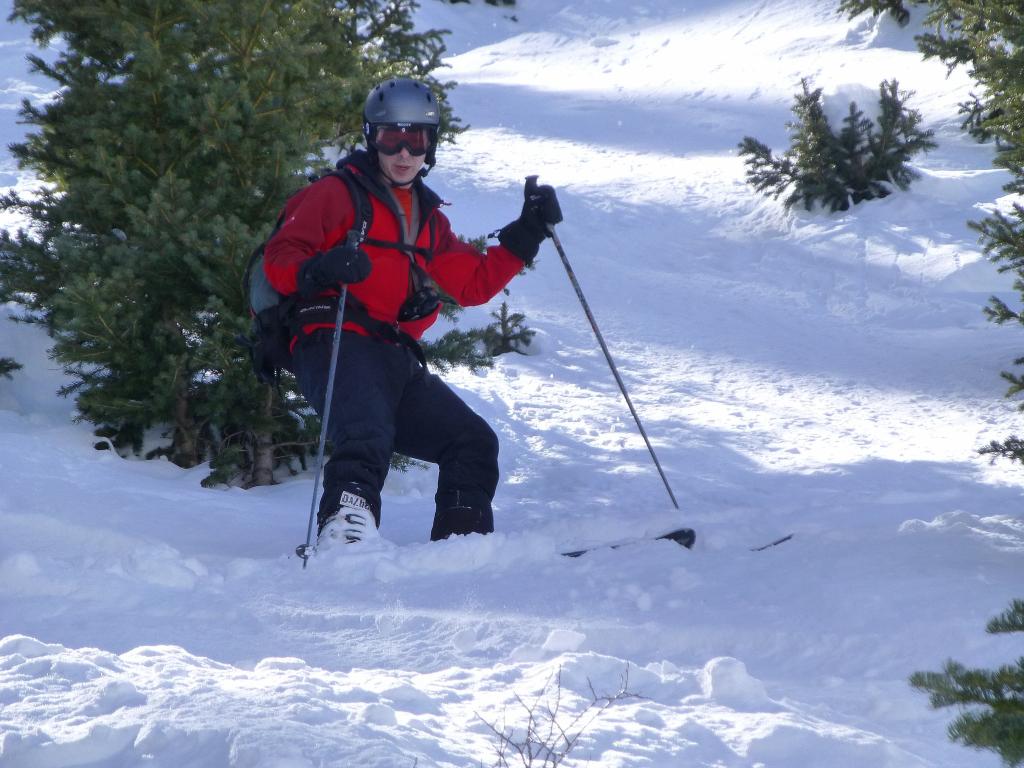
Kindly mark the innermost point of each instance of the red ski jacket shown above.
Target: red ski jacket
(320, 216)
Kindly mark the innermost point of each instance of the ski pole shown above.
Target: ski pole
(608, 357)
(304, 550)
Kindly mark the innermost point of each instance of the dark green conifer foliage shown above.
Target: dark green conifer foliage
(952, 40)
(457, 347)
(857, 164)
(7, 367)
(179, 130)
(991, 701)
(508, 332)
(855, 152)
(971, 34)
(977, 112)
(877, 7)
(7, 364)
(814, 150)
(899, 137)
(986, 38)
(475, 348)
(765, 172)
(808, 171)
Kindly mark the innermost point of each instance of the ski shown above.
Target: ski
(771, 544)
(685, 537)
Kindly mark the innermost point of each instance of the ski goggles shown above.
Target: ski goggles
(389, 139)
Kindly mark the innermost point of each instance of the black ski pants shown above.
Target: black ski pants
(385, 401)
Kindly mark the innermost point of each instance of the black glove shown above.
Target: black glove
(346, 263)
(540, 209)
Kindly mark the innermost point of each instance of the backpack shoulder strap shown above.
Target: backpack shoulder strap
(432, 244)
(364, 217)
(360, 202)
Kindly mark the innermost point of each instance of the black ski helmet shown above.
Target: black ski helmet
(406, 102)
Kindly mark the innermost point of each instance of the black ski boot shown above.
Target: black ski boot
(460, 513)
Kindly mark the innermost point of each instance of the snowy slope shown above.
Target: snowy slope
(826, 376)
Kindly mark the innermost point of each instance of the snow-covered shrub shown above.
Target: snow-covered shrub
(863, 161)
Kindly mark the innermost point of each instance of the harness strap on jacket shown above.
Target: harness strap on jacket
(355, 312)
(426, 253)
(323, 311)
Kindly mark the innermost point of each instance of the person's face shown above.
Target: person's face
(402, 168)
(401, 151)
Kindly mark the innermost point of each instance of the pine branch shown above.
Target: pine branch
(8, 366)
(1012, 620)
(991, 701)
(766, 173)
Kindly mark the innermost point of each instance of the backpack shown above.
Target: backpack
(273, 313)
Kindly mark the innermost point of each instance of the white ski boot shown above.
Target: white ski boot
(353, 523)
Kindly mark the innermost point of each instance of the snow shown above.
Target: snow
(829, 376)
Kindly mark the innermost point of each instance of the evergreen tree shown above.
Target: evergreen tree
(985, 38)
(508, 333)
(992, 700)
(809, 171)
(859, 163)
(179, 130)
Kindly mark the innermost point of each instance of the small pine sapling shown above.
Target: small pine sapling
(807, 172)
(858, 164)
(508, 333)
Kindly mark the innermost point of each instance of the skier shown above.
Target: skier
(384, 398)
